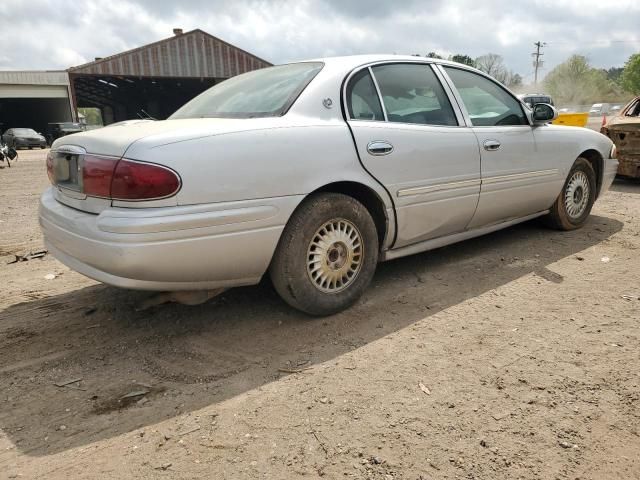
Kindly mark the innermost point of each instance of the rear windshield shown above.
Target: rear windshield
(268, 92)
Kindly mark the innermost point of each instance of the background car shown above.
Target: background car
(60, 129)
(532, 99)
(599, 109)
(24, 138)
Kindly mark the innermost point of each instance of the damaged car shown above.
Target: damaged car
(312, 173)
(624, 131)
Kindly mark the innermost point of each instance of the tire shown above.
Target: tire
(323, 278)
(573, 206)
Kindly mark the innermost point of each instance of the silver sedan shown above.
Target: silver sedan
(314, 172)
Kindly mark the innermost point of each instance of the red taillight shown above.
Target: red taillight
(122, 179)
(97, 175)
(143, 181)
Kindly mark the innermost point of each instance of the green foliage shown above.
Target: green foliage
(92, 115)
(576, 82)
(464, 59)
(614, 73)
(433, 55)
(630, 78)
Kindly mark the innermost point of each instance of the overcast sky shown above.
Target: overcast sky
(57, 34)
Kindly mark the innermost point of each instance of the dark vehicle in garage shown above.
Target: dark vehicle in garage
(24, 137)
(61, 129)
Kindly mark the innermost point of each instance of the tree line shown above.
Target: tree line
(576, 82)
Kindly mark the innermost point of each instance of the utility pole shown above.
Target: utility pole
(537, 63)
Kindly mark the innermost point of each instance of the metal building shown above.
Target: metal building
(152, 80)
(158, 78)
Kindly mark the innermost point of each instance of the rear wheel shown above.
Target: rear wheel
(327, 255)
(573, 206)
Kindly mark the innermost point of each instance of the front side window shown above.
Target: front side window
(412, 93)
(487, 103)
(362, 99)
(268, 92)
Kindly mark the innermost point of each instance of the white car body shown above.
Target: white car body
(242, 179)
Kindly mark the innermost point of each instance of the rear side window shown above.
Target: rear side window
(487, 103)
(362, 98)
(412, 93)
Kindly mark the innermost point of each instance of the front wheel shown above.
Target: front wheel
(573, 206)
(326, 256)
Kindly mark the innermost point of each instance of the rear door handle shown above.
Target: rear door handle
(379, 147)
(491, 145)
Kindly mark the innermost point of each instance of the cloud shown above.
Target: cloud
(47, 34)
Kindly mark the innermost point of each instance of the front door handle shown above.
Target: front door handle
(491, 145)
(379, 147)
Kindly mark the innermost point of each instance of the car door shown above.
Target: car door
(516, 179)
(410, 138)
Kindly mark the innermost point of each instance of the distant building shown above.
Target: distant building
(153, 80)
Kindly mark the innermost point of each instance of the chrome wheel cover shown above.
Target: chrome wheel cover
(334, 256)
(576, 195)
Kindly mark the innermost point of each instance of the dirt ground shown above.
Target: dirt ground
(512, 356)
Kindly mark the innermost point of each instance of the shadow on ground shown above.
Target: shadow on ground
(626, 185)
(191, 357)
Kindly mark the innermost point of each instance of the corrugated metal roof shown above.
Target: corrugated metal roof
(194, 54)
(34, 77)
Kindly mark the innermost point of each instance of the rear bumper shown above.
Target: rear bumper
(171, 248)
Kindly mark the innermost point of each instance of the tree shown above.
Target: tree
(514, 80)
(614, 73)
(491, 64)
(464, 59)
(433, 55)
(630, 78)
(576, 82)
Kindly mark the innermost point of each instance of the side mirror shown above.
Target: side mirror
(544, 113)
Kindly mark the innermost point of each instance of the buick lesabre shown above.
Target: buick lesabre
(313, 172)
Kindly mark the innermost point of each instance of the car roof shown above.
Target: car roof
(353, 61)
